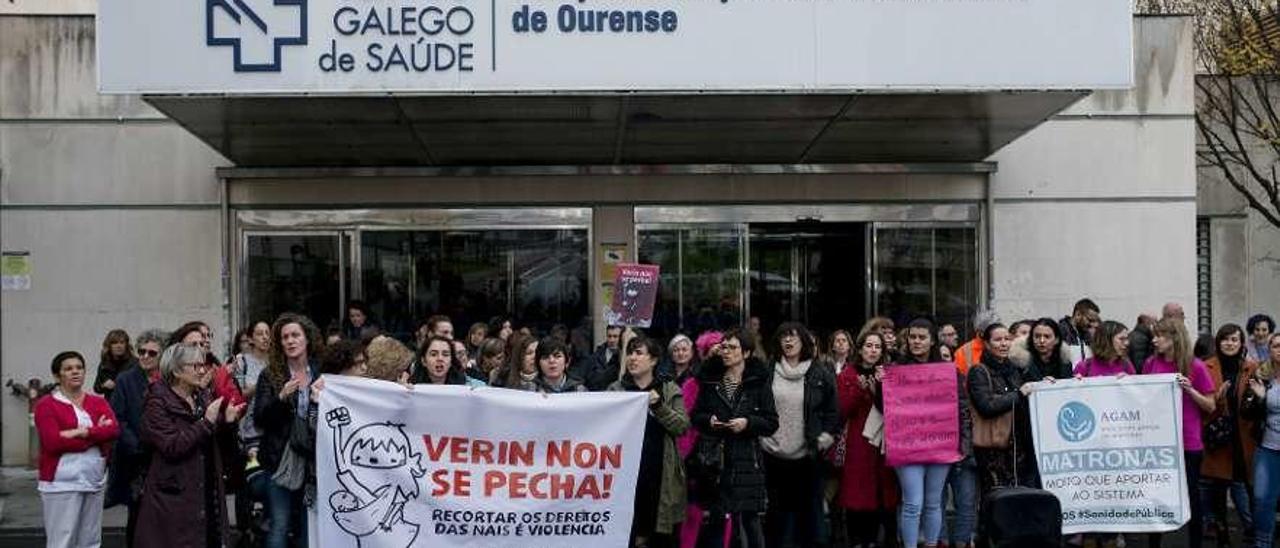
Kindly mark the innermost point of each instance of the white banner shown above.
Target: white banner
(343, 46)
(1111, 450)
(444, 466)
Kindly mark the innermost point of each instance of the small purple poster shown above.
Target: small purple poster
(635, 287)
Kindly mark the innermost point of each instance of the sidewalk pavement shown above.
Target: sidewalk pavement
(21, 524)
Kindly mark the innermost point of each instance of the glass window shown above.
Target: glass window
(926, 270)
(538, 277)
(293, 273)
(701, 282)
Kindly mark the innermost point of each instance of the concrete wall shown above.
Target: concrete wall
(1099, 201)
(117, 205)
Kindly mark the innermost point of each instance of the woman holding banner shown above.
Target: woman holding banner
(441, 365)
(1173, 355)
(553, 368)
(660, 486)
(522, 364)
(1262, 404)
(998, 391)
(868, 488)
(1109, 347)
(923, 485)
(735, 409)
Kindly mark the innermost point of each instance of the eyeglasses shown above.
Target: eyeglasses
(200, 367)
(146, 353)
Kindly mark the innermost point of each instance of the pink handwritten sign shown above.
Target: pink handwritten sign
(921, 414)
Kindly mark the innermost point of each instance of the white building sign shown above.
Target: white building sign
(345, 46)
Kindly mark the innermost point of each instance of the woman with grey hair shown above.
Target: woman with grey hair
(131, 458)
(183, 497)
(684, 363)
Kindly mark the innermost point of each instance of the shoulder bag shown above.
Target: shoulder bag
(993, 433)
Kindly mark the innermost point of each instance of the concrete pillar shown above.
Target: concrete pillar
(610, 226)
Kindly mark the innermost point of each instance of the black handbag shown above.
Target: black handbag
(703, 467)
(1219, 431)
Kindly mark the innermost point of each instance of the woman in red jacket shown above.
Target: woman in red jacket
(868, 488)
(76, 431)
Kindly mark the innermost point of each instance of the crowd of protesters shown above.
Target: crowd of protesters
(752, 439)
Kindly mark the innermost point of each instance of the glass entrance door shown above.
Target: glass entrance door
(813, 273)
(294, 272)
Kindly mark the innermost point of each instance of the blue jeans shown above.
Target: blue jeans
(963, 483)
(284, 509)
(922, 486)
(1266, 491)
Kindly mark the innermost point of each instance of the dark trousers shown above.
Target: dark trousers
(747, 531)
(795, 502)
(1195, 527)
(131, 523)
(865, 527)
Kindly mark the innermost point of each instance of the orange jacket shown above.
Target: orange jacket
(968, 355)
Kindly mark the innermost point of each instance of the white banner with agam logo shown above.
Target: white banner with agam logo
(444, 466)
(1111, 451)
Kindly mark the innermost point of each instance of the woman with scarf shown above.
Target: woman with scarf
(804, 395)
(1228, 445)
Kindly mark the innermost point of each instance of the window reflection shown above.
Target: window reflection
(929, 270)
(701, 282)
(287, 273)
(539, 277)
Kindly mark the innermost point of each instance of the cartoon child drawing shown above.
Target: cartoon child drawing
(379, 474)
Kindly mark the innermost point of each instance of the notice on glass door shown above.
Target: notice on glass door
(635, 288)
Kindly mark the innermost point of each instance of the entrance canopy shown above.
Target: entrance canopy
(458, 82)
(623, 129)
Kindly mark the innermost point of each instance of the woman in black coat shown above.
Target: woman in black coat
(998, 388)
(130, 458)
(734, 410)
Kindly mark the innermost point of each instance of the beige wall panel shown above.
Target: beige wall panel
(48, 69)
(1164, 65)
(96, 270)
(90, 163)
(1100, 158)
(1129, 257)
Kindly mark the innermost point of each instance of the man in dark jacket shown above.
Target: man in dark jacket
(605, 366)
(1140, 341)
(1077, 329)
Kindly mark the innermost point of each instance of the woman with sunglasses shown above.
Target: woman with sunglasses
(131, 458)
